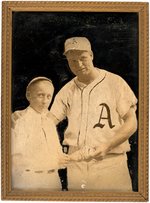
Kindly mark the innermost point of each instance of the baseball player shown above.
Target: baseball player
(100, 107)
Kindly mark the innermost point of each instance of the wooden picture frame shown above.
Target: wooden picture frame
(141, 9)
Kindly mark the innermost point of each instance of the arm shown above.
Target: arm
(51, 116)
(121, 135)
(58, 111)
(49, 125)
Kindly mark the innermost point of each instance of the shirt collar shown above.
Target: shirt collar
(33, 111)
(101, 76)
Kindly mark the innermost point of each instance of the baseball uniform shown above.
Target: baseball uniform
(94, 113)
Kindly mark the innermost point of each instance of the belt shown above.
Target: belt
(40, 171)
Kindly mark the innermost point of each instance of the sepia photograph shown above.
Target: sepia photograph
(75, 101)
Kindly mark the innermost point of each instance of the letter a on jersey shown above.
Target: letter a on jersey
(99, 124)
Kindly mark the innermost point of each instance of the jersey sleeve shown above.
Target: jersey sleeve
(59, 107)
(126, 98)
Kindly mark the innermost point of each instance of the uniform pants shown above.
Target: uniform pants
(111, 173)
(36, 180)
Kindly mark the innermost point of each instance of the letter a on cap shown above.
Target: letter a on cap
(77, 43)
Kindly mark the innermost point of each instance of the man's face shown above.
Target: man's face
(80, 62)
(40, 96)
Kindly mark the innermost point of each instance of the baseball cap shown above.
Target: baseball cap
(38, 79)
(77, 43)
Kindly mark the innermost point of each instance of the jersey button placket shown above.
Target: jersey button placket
(84, 114)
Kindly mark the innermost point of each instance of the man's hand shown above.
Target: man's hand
(82, 154)
(15, 116)
(76, 156)
(101, 151)
(89, 153)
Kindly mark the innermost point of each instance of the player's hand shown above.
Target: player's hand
(15, 116)
(64, 160)
(75, 157)
(101, 151)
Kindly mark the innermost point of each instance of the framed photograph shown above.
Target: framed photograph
(38, 42)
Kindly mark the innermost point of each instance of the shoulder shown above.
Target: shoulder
(18, 114)
(68, 85)
(16, 117)
(67, 88)
(112, 75)
(114, 78)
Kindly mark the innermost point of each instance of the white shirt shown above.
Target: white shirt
(35, 142)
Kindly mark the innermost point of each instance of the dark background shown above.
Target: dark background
(37, 50)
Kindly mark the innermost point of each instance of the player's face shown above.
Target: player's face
(80, 62)
(41, 95)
